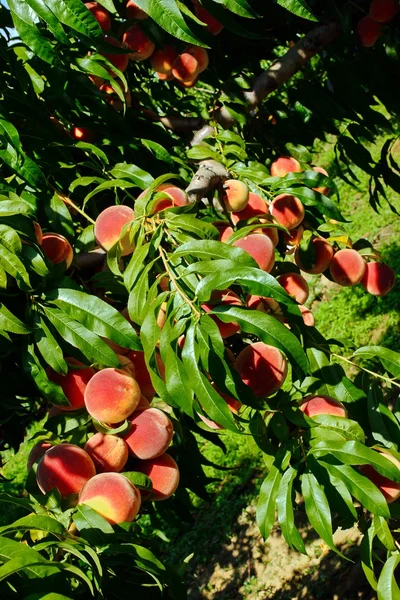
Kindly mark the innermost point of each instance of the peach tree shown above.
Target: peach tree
(160, 215)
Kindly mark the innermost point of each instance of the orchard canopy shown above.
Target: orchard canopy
(162, 220)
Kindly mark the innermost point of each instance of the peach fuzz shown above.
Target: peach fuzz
(323, 257)
(38, 232)
(201, 55)
(384, 11)
(235, 195)
(120, 61)
(113, 496)
(136, 40)
(287, 210)
(142, 375)
(378, 279)
(109, 453)
(185, 67)
(390, 489)
(74, 383)
(162, 59)
(369, 31)
(101, 15)
(268, 306)
(65, 467)
(57, 249)
(164, 474)
(37, 452)
(109, 225)
(347, 267)
(260, 247)
(307, 315)
(150, 434)
(263, 368)
(111, 395)
(223, 298)
(322, 405)
(322, 190)
(213, 26)
(255, 207)
(82, 134)
(284, 165)
(295, 285)
(134, 12)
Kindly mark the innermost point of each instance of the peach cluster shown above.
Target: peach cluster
(184, 68)
(369, 28)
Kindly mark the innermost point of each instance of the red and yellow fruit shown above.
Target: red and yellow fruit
(37, 452)
(162, 59)
(347, 267)
(255, 207)
(185, 67)
(296, 286)
(285, 165)
(323, 256)
(322, 405)
(65, 467)
(113, 496)
(109, 226)
(137, 41)
(101, 15)
(57, 249)
(150, 434)
(111, 395)
(260, 247)
(74, 383)
(109, 453)
(120, 61)
(322, 190)
(164, 474)
(378, 279)
(223, 298)
(134, 12)
(390, 489)
(287, 210)
(369, 31)
(235, 195)
(263, 368)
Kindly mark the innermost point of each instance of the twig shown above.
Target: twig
(68, 201)
(350, 362)
(171, 276)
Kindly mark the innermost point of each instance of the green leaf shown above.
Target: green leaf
(107, 185)
(324, 205)
(191, 224)
(158, 151)
(384, 534)
(284, 504)
(299, 152)
(389, 358)
(24, 22)
(384, 426)
(215, 250)
(15, 207)
(42, 523)
(49, 347)
(43, 11)
(299, 8)
(348, 429)
(8, 322)
(91, 525)
(269, 492)
(13, 265)
(125, 171)
(34, 369)
(240, 7)
(140, 480)
(75, 15)
(135, 266)
(387, 587)
(366, 555)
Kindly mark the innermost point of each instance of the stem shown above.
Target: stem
(171, 276)
(67, 200)
(350, 362)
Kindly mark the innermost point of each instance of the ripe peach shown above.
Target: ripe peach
(225, 230)
(233, 404)
(164, 474)
(284, 165)
(176, 197)
(136, 40)
(347, 267)
(255, 207)
(263, 368)
(111, 395)
(236, 195)
(213, 26)
(323, 257)
(223, 298)
(369, 31)
(134, 12)
(295, 285)
(65, 467)
(322, 190)
(82, 134)
(113, 496)
(322, 405)
(142, 375)
(120, 61)
(287, 210)
(308, 317)
(189, 83)
(57, 249)
(162, 59)
(294, 237)
(74, 383)
(38, 232)
(272, 232)
(268, 306)
(185, 67)
(101, 15)
(260, 247)
(201, 55)
(109, 225)
(112, 98)
(165, 76)
(390, 489)
(378, 279)
(151, 433)
(384, 11)
(108, 452)
(37, 452)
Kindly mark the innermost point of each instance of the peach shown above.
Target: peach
(295, 285)
(142, 375)
(268, 306)
(57, 249)
(185, 67)
(134, 12)
(223, 298)
(120, 61)
(390, 489)
(378, 279)
(294, 237)
(287, 210)
(307, 315)
(109, 225)
(255, 207)
(98, 81)
(323, 257)
(113, 99)
(322, 190)
(225, 230)
(164, 474)
(176, 197)
(201, 55)
(82, 134)
(263, 368)
(37, 452)
(101, 15)
(260, 247)
(151, 433)
(65, 467)
(233, 404)
(165, 76)
(347, 267)
(111, 395)
(38, 232)
(136, 40)
(322, 405)
(284, 165)
(108, 452)
(213, 26)
(74, 383)
(113, 496)
(126, 365)
(369, 31)
(236, 195)
(210, 423)
(189, 83)
(384, 11)
(162, 59)
(272, 232)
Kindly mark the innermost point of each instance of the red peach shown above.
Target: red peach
(378, 279)
(109, 225)
(390, 489)
(65, 467)
(142, 375)
(164, 474)
(165, 76)
(74, 383)
(284, 165)
(113, 496)
(322, 190)
(268, 306)
(223, 298)
(185, 67)
(369, 31)
(162, 59)
(263, 368)
(347, 267)
(82, 134)
(323, 257)
(189, 83)
(295, 285)
(294, 237)
(57, 249)
(272, 232)
(261, 248)
(151, 433)
(255, 207)
(111, 395)
(201, 55)
(134, 12)
(225, 230)
(177, 197)
(307, 315)
(213, 26)
(322, 405)
(98, 81)
(37, 452)
(384, 11)
(287, 210)
(120, 61)
(108, 452)
(136, 40)
(101, 15)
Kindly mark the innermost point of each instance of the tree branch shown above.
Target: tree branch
(210, 174)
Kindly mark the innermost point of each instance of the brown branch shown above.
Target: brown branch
(209, 174)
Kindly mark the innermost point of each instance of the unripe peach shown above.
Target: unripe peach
(185, 67)
(323, 257)
(223, 298)
(74, 383)
(236, 195)
(113, 496)
(162, 59)
(322, 190)
(37, 452)
(134, 12)
(347, 267)
(201, 55)
(263, 368)
(57, 249)
(369, 31)
(284, 165)
(109, 225)
(213, 26)
(142, 374)
(287, 210)
(164, 474)
(384, 11)
(390, 489)
(261, 248)
(307, 315)
(111, 395)
(255, 207)
(120, 61)
(82, 134)
(101, 15)
(108, 452)
(295, 285)
(65, 467)
(378, 279)
(136, 40)
(151, 433)
(322, 405)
